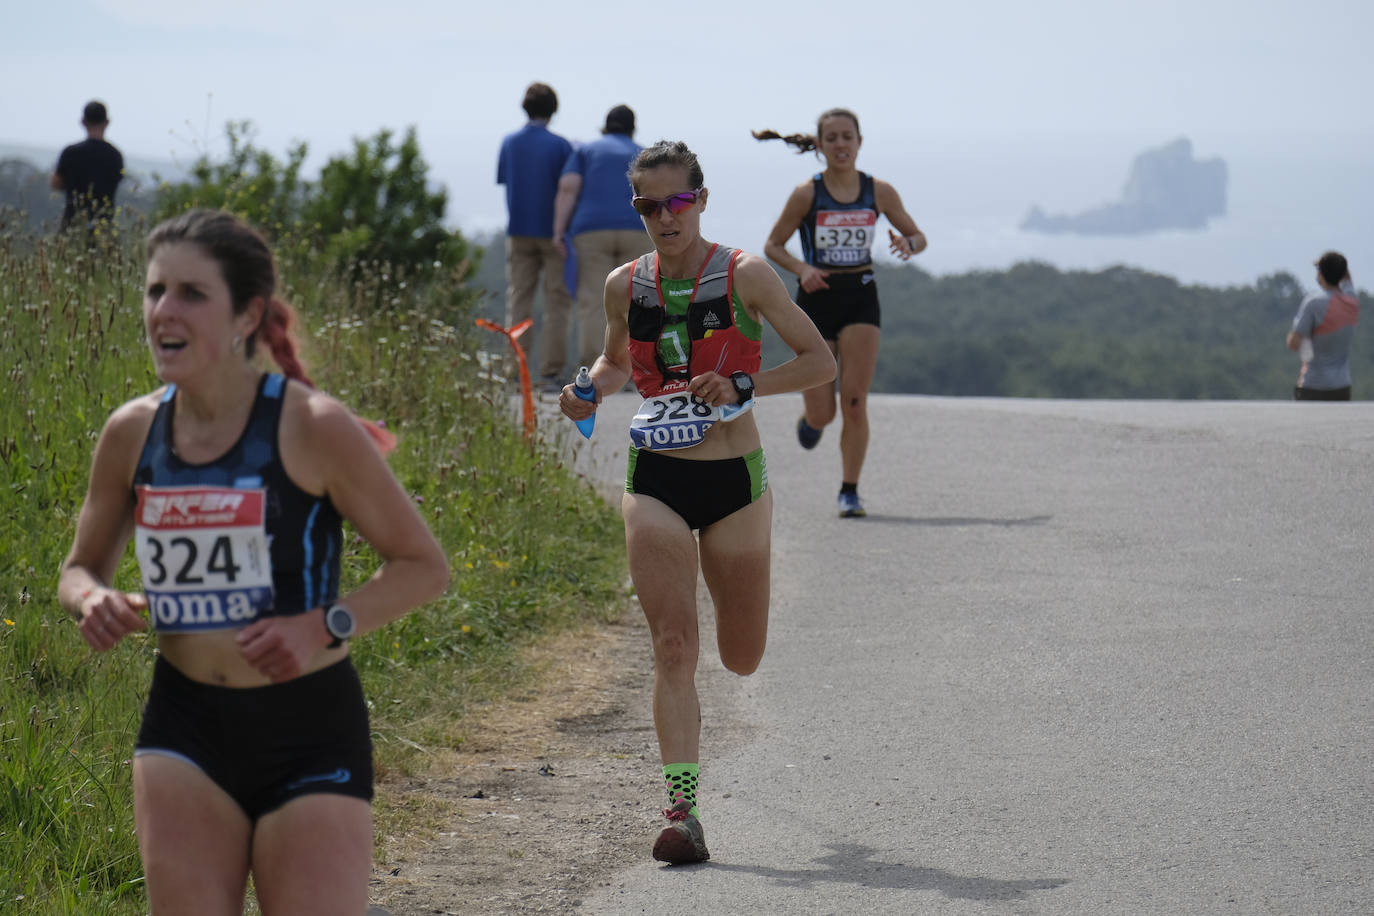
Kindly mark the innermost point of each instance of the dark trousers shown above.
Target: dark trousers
(1322, 394)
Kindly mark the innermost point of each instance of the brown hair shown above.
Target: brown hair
(540, 101)
(245, 260)
(806, 143)
(667, 152)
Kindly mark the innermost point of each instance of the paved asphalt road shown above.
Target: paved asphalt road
(1081, 658)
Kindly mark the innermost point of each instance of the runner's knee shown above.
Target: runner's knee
(741, 662)
(675, 651)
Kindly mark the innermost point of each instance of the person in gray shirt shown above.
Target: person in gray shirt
(1322, 332)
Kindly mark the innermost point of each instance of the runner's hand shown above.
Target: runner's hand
(900, 245)
(282, 647)
(813, 278)
(107, 616)
(716, 390)
(573, 407)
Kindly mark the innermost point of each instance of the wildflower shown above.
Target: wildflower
(8, 622)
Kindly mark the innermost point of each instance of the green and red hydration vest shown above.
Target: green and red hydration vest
(672, 341)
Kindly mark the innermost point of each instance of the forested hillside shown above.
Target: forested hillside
(1036, 331)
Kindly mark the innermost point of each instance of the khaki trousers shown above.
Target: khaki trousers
(598, 253)
(526, 258)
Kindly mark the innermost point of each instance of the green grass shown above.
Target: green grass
(533, 550)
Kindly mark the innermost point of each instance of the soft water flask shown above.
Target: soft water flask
(584, 389)
(1305, 350)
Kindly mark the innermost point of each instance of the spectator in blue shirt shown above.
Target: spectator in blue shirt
(593, 209)
(529, 165)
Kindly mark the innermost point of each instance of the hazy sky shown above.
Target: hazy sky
(975, 72)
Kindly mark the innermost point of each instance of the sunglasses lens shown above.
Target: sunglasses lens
(679, 203)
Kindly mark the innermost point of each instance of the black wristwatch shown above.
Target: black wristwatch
(744, 385)
(338, 620)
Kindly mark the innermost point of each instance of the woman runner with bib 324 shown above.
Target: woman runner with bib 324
(254, 754)
(836, 213)
(685, 321)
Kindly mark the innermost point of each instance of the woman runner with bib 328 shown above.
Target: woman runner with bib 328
(254, 754)
(685, 321)
(836, 213)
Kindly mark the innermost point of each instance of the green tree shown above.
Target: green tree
(249, 182)
(375, 207)
(372, 213)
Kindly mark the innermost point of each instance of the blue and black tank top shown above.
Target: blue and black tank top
(201, 527)
(840, 235)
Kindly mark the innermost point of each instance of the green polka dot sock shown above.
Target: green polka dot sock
(682, 783)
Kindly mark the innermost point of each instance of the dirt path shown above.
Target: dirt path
(566, 774)
(550, 795)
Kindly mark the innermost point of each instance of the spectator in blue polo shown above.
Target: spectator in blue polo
(593, 209)
(529, 165)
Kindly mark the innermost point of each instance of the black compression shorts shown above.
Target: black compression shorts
(264, 746)
(851, 299)
(702, 492)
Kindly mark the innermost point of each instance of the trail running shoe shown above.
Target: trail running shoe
(851, 506)
(683, 841)
(807, 434)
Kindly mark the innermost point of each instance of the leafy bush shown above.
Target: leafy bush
(370, 211)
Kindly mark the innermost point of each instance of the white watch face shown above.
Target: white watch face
(340, 622)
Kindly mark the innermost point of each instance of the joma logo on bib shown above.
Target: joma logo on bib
(201, 610)
(677, 435)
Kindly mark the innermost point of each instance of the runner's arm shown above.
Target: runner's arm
(793, 212)
(762, 293)
(103, 529)
(912, 240)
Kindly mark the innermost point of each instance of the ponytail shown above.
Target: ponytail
(276, 334)
(804, 143)
(807, 143)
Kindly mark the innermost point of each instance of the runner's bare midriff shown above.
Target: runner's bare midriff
(215, 658)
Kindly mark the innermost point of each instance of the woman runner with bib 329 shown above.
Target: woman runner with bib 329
(685, 320)
(836, 213)
(254, 753)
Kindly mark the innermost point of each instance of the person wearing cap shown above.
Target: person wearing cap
(1322, 331)
(89, 172)
(593, 209)
(530, 161)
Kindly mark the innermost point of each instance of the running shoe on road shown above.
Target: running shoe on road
(683, 841)
(851, 506)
